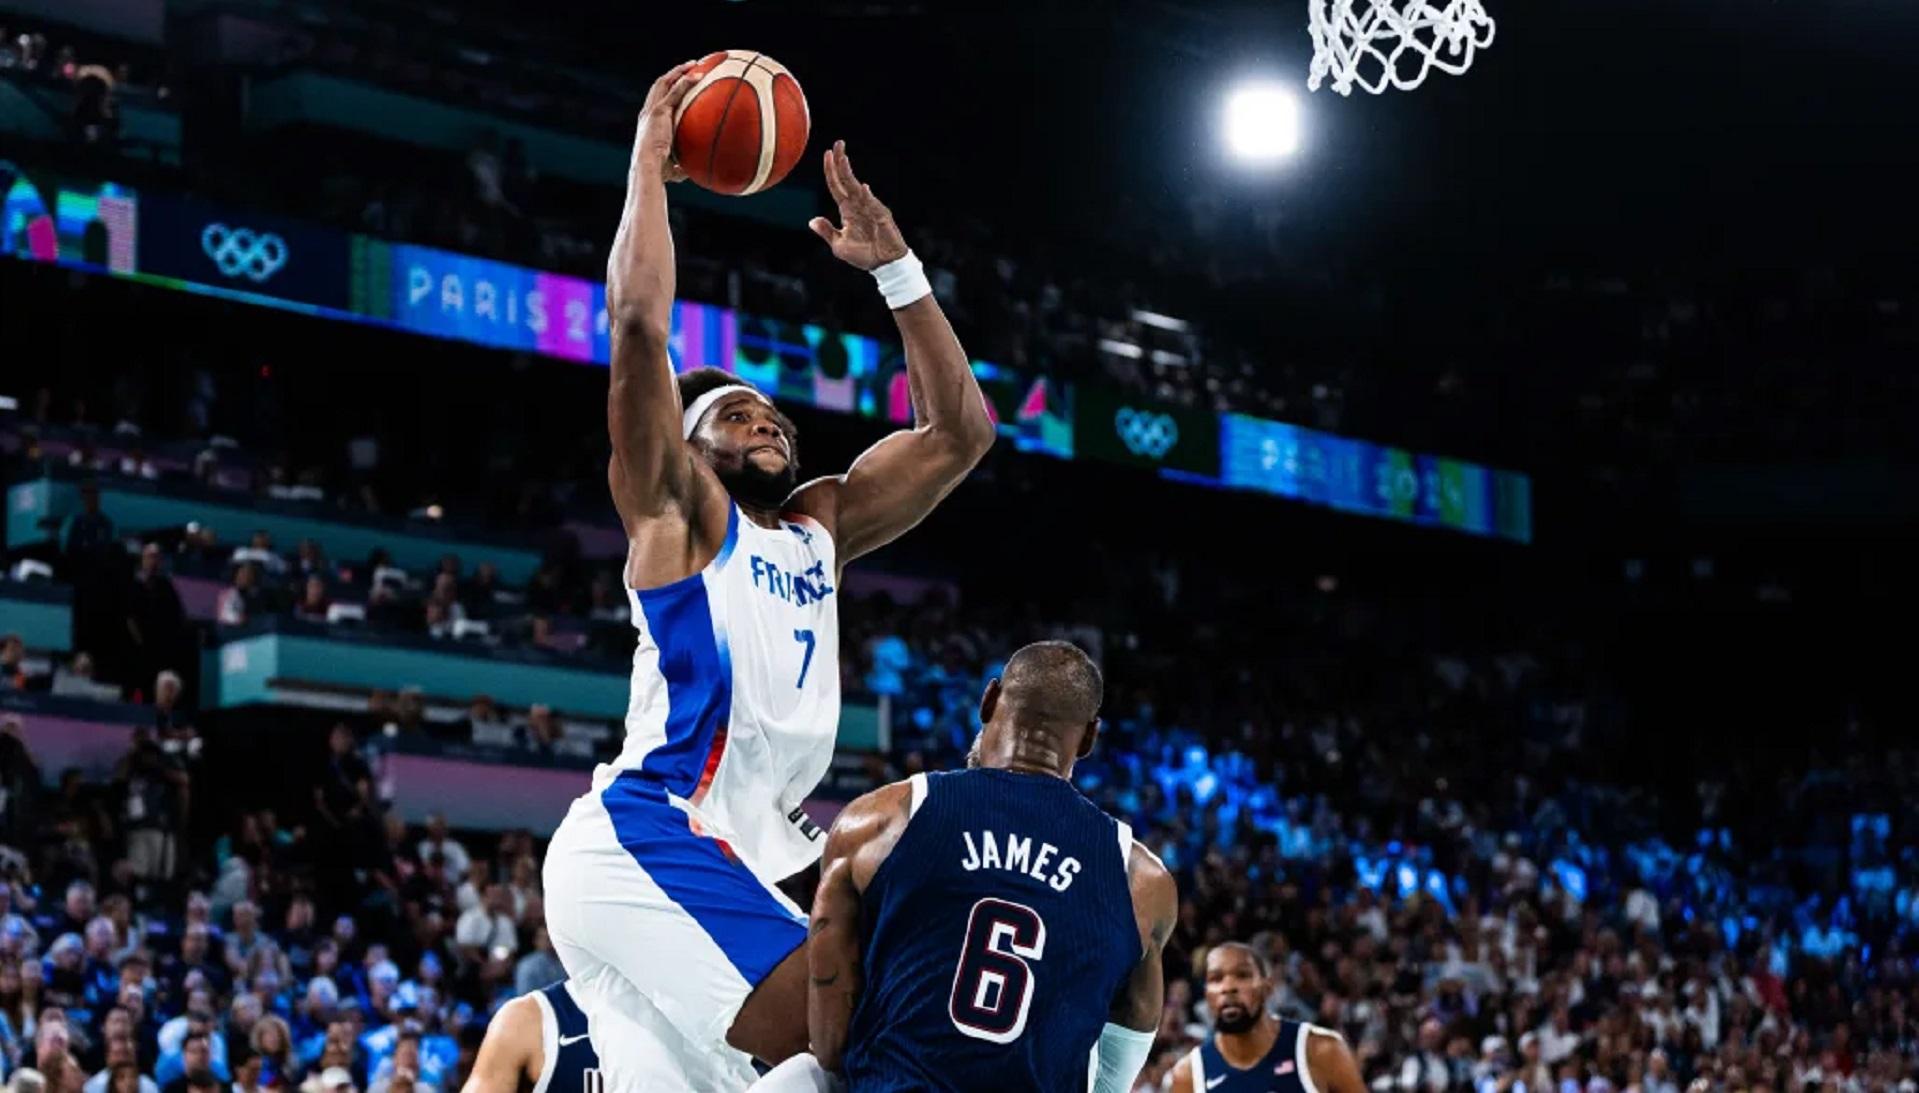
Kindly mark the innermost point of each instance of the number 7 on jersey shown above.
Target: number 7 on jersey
(805, 637)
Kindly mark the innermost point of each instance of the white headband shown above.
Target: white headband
(701, 405)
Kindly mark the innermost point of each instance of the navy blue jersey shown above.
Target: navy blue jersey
(570, 1064)
(1283, 1070)
(997, 935)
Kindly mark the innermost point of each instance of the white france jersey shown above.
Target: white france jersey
(735, 704)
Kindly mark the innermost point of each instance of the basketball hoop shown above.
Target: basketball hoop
(1378, 44)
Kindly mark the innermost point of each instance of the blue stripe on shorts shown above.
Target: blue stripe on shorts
(753, 928)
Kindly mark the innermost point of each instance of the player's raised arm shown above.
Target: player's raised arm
(1134, 1018)
(651, 468)
(898, 481)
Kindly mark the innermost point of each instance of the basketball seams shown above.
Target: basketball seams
(762, 81)
(719, 127)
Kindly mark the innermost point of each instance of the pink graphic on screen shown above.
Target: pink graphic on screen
(569, 316)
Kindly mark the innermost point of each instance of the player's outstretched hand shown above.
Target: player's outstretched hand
(653, 146)
(867, 238)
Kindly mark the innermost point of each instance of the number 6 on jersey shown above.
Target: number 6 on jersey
(993, 985)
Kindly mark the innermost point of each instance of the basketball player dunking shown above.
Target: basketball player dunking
(659, 882)
(989, 929)
(1252, 1051)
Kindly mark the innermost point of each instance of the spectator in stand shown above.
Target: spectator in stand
(53, 1057)
(196, 1065)
(409, 711)
(314, 601)
(480, 595)
(309, 561)
(151, 790)
(438, 841)
(400, 1072)
(484, 725)
(1425, 1071)
(540, 633)
(1557, 1040)
(19, 1010)
(317, 1009)
(89, 531)
(272, 1042)
(20, 796)
(539, 967)
(486, 935)
(13, 655)
(156, 619)
(245, 940)
(343, 799)
(241, 600)
(96, 114)
(77, 908)
(122, 1067)
(102, 976)
(75, 680)
(542, 731)
(171, 718)
(135, 464)
(609, 629)
(259, 551)
(300, 936)
(427, 891)
(195, 959)
(472, 890)
(443, 609)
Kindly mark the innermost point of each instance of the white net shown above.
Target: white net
(1377, 44)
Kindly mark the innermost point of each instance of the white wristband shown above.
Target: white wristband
(903, 281)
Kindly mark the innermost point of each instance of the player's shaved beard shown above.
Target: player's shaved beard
(1233, 1019)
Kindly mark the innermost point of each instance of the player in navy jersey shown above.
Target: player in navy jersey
(538, 1042)
(990, 928)
(1252, 1051)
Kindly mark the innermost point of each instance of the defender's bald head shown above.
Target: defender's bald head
(1042, 713)
(1052, 681)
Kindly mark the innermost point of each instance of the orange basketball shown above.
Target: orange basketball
(743, 125)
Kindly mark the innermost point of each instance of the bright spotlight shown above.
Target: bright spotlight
(1262, 122)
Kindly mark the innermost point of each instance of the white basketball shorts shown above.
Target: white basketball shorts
(664, 933)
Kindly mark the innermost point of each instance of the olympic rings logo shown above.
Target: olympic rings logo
(1145, 433)
(243, 252)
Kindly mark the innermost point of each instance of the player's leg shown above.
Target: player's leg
(639, 1049)
(691, 929)
(766, 1028)
(800, 1074)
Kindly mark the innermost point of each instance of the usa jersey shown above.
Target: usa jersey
(735, 702)
(569, 1062)
(997, 935)
(1283, 1070)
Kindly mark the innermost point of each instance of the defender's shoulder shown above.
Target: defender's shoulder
(1330, 1062)
(1146, 873)
(876, 807)
(525, 1011)
(878, 815)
